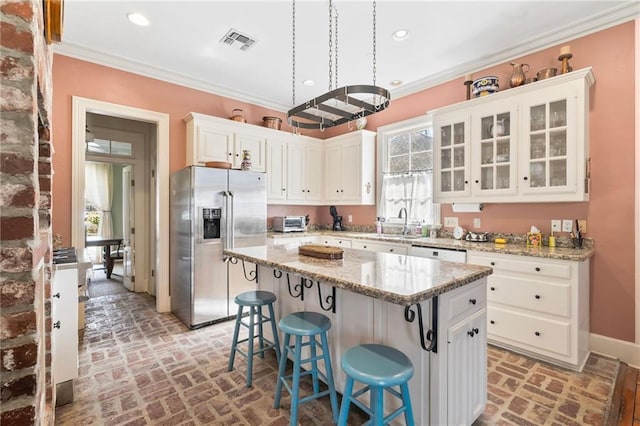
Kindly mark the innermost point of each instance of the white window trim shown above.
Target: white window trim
(388, 132)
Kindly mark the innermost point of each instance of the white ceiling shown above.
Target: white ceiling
(448, 39)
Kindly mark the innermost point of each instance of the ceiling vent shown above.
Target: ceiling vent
(238, 40)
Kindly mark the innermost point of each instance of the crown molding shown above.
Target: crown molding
(614, 16)
(617, 15)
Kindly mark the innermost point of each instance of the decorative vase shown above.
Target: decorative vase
(246, 160)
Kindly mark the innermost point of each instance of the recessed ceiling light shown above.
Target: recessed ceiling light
(138, 19)
(309, 83)
(400, 35)
(396, 82)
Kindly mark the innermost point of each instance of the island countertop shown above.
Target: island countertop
(399, 279)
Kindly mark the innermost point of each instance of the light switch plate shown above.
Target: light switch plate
(350, 218)
(476, 222)
(567, 225)
(556, 225)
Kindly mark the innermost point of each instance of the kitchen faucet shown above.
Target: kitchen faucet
(405, 228)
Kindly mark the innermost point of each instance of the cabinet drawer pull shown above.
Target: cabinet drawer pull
(364, 246)
(492, 322)
(493, 289)
(537, 333)
(537, 269)
(56, 324)
(57, 295)
(472, 301)
(391, 250)
(525, 178)
(493, 263)
(537, 296)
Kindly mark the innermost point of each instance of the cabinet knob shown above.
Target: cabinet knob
(56, 324)
(492, 322)
(237, 155)
(284, 189)
(471, 333)
(476, 330)
(57, 295)
(493, 289)
(537, 269)
(525, 178)
(537, 333)
(364, 246)
(477, 181)
(391, 250)
(230, 154)
(472, 301)
(493, 263)
(466, 182)
(537, 296)
(342, 190)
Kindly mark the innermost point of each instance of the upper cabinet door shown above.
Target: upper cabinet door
(494, 155)
(452, 168)
(550, 161)
(213, 144)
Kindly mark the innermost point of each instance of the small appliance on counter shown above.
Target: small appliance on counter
(478, 237)
(289, 223)
(337, 220)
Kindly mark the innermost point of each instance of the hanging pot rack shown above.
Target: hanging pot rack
(339, 106)
(342, 104)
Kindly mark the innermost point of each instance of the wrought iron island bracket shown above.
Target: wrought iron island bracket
(327, 303)
(249, 276)
(432, 334)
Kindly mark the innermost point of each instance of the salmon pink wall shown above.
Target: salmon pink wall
(610, 212)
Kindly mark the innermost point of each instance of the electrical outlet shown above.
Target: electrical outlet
(476, 222)
(350, 218)
(556, 225)
(567, 225)
(451, 222)
(583, 226)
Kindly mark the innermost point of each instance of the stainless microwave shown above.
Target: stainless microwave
(289, 223)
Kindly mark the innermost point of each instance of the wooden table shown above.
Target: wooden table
(107, 242)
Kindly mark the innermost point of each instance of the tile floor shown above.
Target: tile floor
(138, 367)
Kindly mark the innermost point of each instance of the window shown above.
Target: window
(109, 147)
(406, 171)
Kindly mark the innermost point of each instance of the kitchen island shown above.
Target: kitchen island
(433, 311)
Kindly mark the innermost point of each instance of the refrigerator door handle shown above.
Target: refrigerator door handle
(231, 223)
(225, 196)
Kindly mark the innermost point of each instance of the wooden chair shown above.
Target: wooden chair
(110, 256)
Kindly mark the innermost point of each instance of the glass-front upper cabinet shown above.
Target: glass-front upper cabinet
(494, 150)
(452, 156)
(549, 143)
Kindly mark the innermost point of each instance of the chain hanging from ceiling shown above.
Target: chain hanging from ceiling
(339, 105)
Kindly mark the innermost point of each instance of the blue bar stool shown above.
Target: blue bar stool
(255, 300)
(310, 325)
(379, 367)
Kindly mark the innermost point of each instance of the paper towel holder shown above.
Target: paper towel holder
(467, 207)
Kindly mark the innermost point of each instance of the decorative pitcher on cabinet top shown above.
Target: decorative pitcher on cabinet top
(517, 76)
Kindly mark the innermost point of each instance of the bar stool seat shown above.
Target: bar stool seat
(255, 300)
(379, 368)
(308, 325)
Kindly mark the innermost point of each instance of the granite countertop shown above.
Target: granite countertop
(399, 279)
(519, 249)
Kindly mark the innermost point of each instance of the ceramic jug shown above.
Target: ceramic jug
(517, 76)
(246, 160)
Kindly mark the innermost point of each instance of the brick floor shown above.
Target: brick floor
(138, 367)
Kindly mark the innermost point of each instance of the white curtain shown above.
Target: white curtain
(99, 192)
(413, 191)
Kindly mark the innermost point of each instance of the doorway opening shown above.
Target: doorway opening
(149, 253)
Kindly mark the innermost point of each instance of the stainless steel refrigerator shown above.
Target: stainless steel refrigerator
(212, 209)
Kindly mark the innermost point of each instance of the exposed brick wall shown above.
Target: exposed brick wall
(26, 393)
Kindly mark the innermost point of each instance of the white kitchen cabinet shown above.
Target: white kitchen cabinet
(538, 306)
(380, 247)
(452, 171)
(276, 170)
(217, 139)
(304, 171)
(294, 241)
(64, 317)
(526, 144)
(336, 242)
(350, 168)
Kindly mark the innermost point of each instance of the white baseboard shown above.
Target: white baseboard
(625, 351)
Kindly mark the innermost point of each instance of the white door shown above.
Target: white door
(128, 229)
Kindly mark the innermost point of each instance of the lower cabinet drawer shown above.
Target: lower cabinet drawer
(529, 332)
(466, 300)
(548, 298)
(523, 265)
